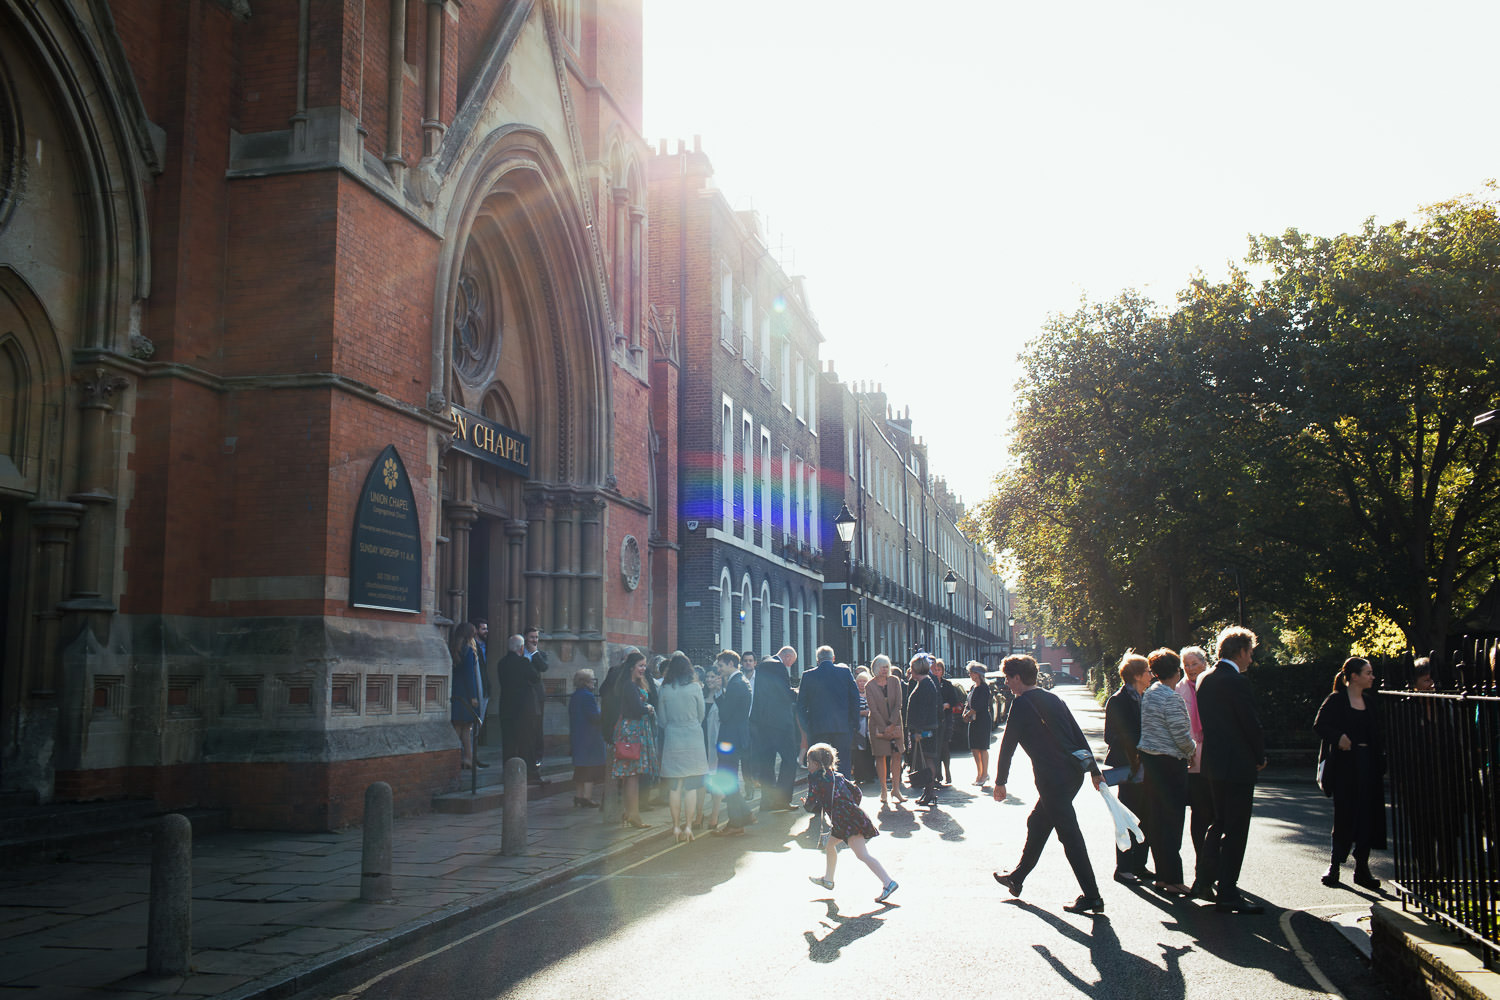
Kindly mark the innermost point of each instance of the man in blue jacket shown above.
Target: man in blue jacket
(828, 706)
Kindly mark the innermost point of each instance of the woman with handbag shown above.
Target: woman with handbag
(1352, 761)
(924, 713)
(979, 714)
(883, 695)
(633, 748)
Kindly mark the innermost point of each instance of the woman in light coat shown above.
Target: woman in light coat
(684, 761)
(884, 700)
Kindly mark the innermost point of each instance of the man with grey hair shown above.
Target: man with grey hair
(1200, 797)
(773, 730)
(828, 707)
(1234, 751)
(521, 700)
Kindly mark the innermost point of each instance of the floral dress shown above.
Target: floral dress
(845, 818)
(634, 725)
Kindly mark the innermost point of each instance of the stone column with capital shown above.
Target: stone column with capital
(91, 589)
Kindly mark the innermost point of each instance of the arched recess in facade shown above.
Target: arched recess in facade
(521, 336)
(75, 241)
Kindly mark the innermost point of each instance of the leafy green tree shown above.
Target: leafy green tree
(1303, 445)
(1375, 352)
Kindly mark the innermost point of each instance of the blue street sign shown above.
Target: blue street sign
(849, 615)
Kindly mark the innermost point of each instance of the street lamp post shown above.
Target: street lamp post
(950, 584)
(989, 616)
(844, 525)
(1010, 634)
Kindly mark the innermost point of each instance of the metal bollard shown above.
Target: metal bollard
(169, 922)
(513, 813)
(375, 862)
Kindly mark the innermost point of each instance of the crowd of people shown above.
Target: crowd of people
(1184, 749)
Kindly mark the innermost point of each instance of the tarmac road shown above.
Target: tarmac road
(738, 917)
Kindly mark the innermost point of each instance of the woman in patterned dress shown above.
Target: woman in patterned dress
(837, 798)
(632, 700)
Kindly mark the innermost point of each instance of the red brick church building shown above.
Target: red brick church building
(322, 328)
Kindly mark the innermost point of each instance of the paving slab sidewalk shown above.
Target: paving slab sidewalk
(274, 912)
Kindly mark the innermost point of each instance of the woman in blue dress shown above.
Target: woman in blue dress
(467, 689)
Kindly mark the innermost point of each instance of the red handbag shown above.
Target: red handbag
(627, 750)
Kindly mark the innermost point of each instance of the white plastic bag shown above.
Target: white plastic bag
(1126, 823)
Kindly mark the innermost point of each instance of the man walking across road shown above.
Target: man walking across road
(828, 705)
(1042, 725)
(1200, 797)
(1234, 750)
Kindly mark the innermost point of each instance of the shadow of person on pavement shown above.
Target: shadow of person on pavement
(1120, 972)
(844, 931)
(898, 822)
(943, 823)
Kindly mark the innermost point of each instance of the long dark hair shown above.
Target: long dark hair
(679, 669)
(464, 637)
(1352, 667)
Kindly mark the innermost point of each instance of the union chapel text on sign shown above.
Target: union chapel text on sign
(492, 442)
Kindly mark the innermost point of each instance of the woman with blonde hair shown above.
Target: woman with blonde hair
(884, 699)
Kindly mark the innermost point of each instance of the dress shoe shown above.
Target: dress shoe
(1125, 877)
(1010, 882)
(1086, 904)
(1202, 890)
(1367, 881)
(1171, 888)
(1239, 905)
(1331, 877)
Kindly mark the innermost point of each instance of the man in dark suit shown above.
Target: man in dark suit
(734, 736)
(521, 700)
(773, 730)
(828, 705)
(1042, 725)
(1234, 750)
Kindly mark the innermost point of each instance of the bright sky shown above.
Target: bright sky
(947, 175)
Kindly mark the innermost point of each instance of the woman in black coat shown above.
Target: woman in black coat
(1353, 761)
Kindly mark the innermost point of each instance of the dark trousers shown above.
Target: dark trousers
(725, 781)
(843, 745)
(1133, 797)
(1224, 844)
(1054, 812)
(1200, 808)
(924, 764)
(522, 738)
(1166, 803)
(776, 788)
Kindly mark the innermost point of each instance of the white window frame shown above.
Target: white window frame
(726, 458)
(747, 474)
(726, 306)
(765, 488)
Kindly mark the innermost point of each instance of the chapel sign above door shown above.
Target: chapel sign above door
(488, 441)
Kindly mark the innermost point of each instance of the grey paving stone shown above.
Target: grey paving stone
(305, 941)
(234, 963)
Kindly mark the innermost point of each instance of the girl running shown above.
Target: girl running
(838, 798)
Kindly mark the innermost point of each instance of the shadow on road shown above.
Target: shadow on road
(1120, 972)
(845, 931)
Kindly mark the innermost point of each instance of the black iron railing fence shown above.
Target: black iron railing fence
(1444, 753)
